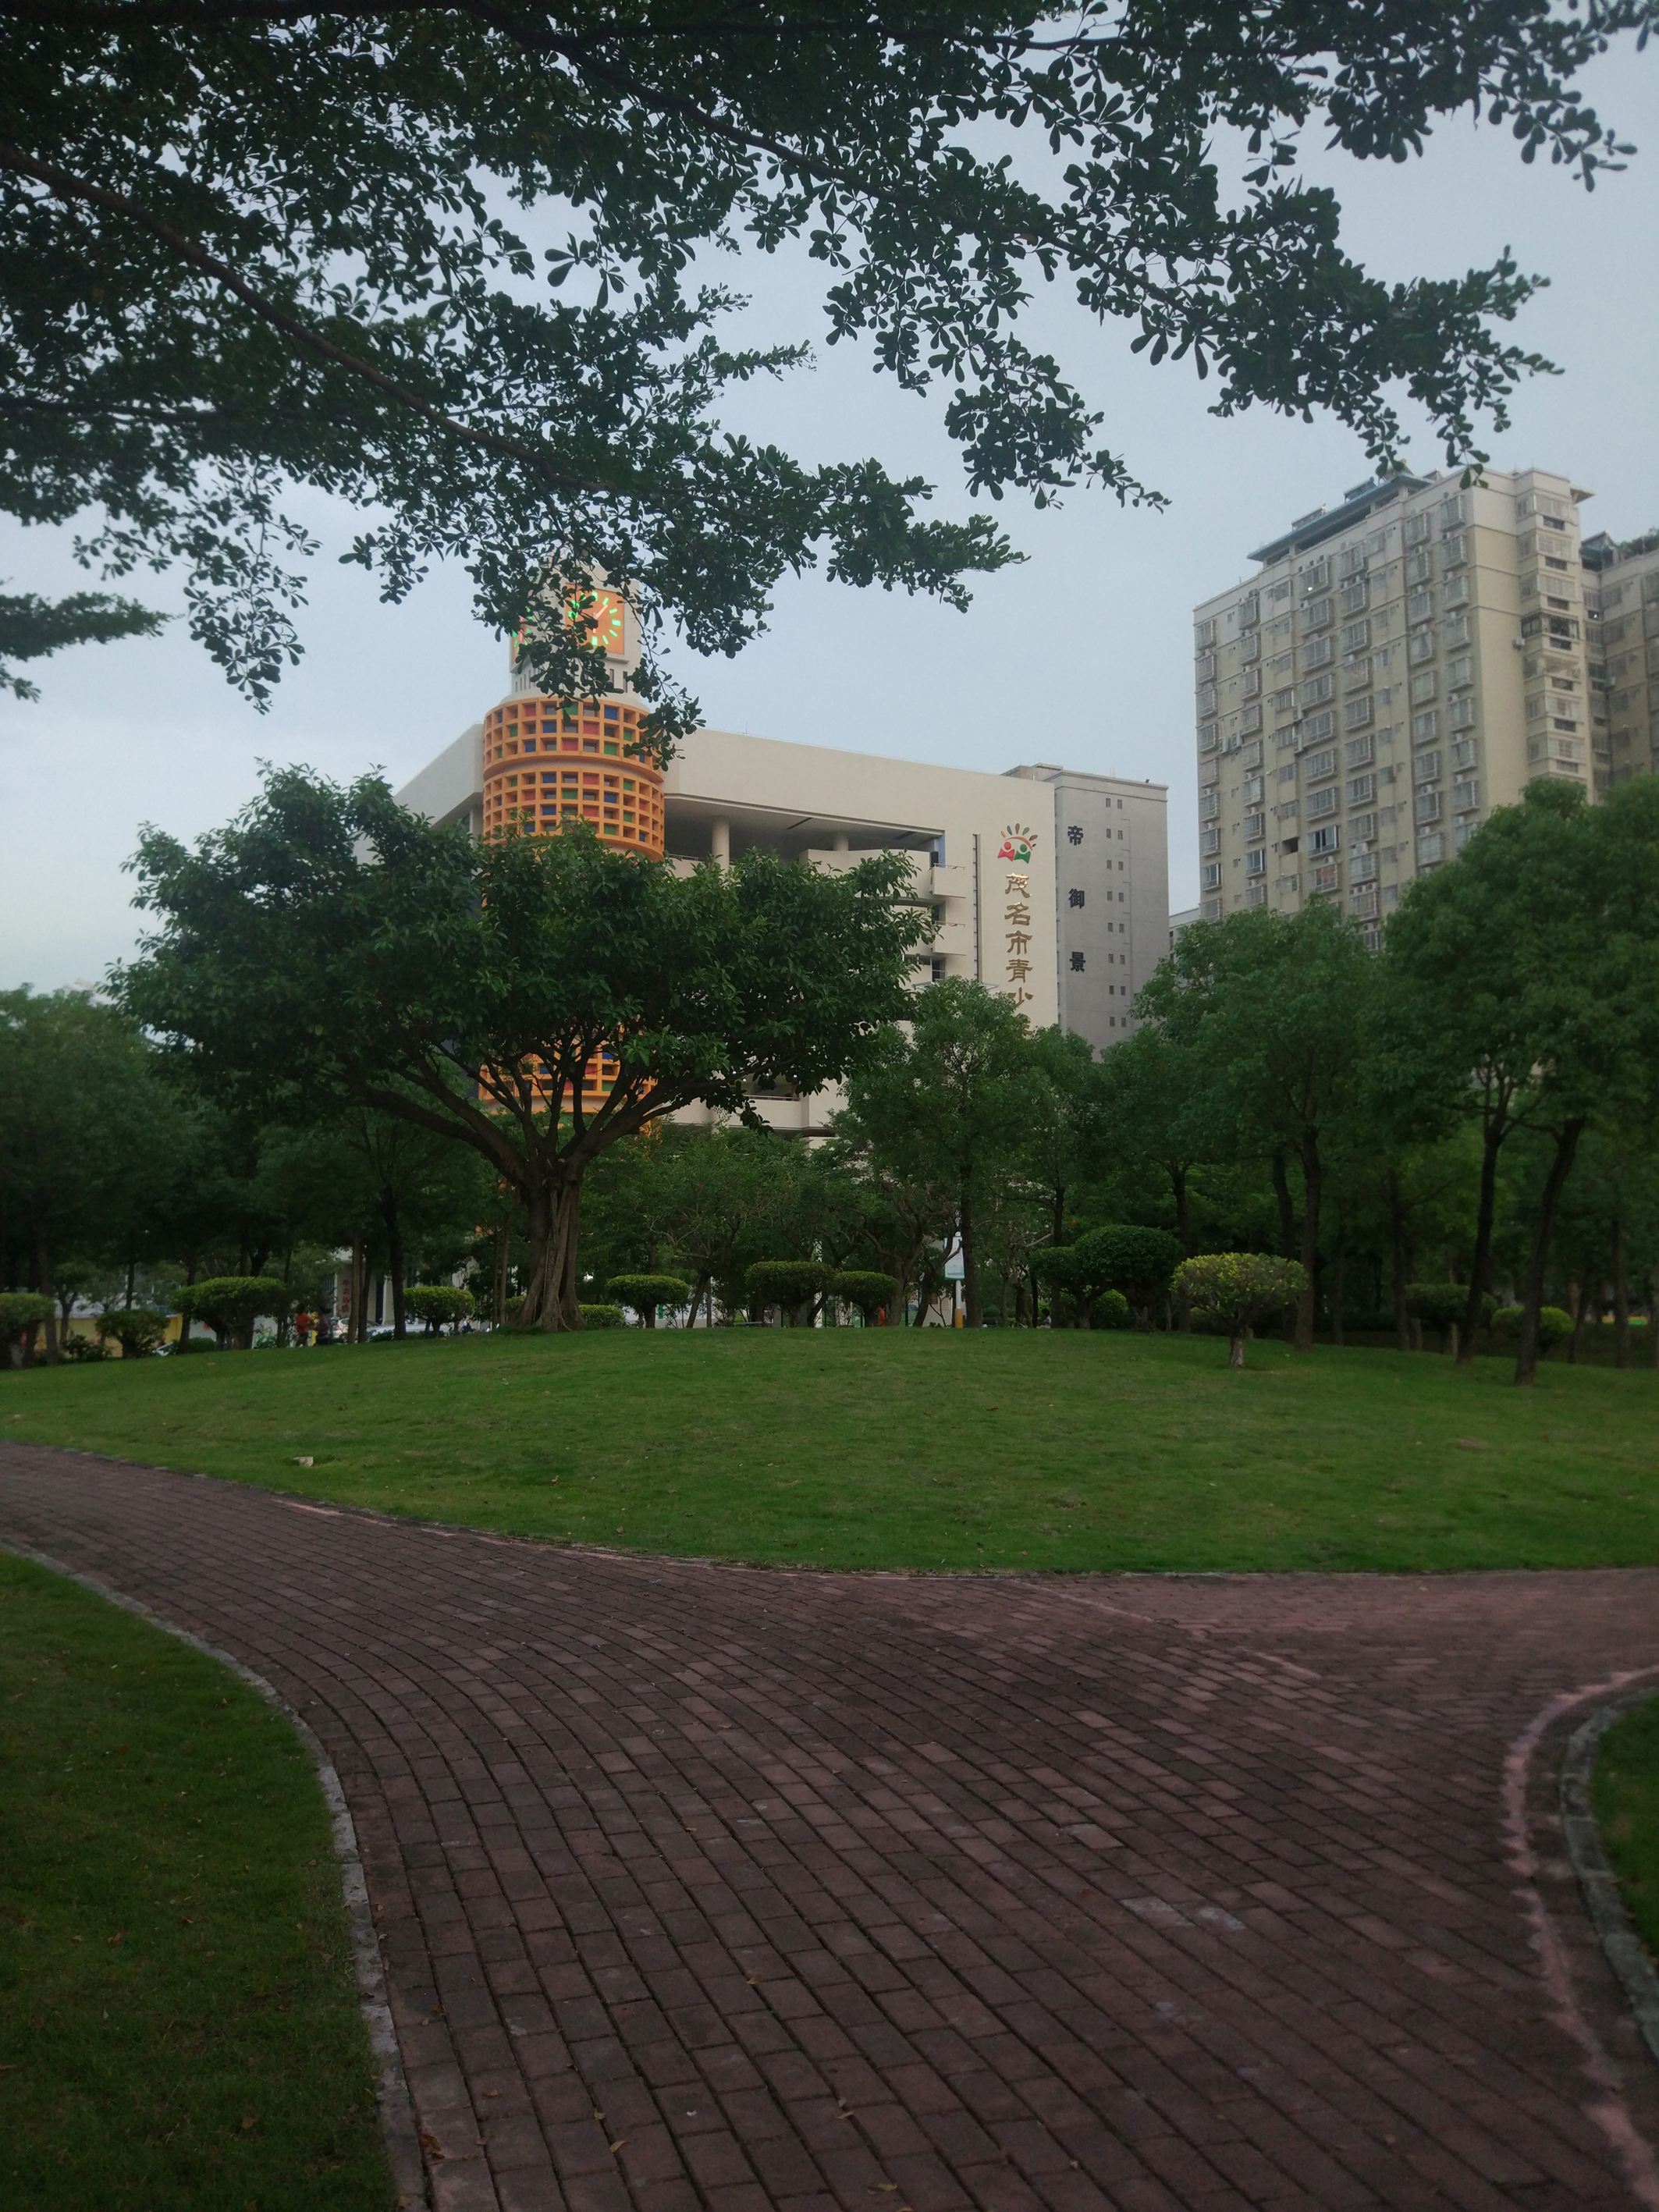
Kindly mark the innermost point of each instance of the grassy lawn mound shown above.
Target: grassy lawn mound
(1625, 1794)
(178, 2020)
(913, 1449)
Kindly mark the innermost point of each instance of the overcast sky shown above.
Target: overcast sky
(1082, 656)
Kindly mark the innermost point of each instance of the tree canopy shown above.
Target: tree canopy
(330, 944)
(1274, 1009)
(255, 246)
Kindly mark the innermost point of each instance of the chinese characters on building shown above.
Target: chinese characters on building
(1017, 917)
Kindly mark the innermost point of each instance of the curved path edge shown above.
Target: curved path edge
(397, 2111)
(1626, 1954)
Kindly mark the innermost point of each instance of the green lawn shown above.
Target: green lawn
(1626, 1797)
(922, 1448)
(179, 2021)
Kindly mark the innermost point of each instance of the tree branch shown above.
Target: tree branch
(65, 186)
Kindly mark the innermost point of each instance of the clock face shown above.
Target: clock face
(600, 615)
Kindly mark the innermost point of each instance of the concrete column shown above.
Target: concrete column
(841, 842)
(719, 841)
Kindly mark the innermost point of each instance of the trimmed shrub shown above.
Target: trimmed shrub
(1235, 1290)
(230, 1305)
(601, 1316)
(865, 1288)
(436, 1303)
(82, 1350)
(1112, 1310)
(22, 1313)
(1554, 1326)
(136, 1329)
(794, 1285)
(1438, 1306)
(1127, 1262)
(1125, 1257)
(1442, 1305)
(643, 1294)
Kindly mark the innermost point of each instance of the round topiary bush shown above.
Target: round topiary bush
(1235, 1290)
(794, 1285)
(643, 1294)
(231, 1304)
(1554, 1326)
(1112, 1310)
(136, 1329)
(22, 1313)
(601, 1316)
(439, 1305)
(870, 1292)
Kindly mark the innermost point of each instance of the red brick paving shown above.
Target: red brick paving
(701, 1886)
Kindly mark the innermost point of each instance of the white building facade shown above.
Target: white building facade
(1047, 884)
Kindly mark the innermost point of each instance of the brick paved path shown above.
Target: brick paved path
(705, 1887)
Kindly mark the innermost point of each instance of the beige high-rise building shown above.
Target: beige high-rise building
(1397, 667)
(1621, 603)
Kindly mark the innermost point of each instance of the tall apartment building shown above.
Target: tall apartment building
(1397, 667)
(1621, 597)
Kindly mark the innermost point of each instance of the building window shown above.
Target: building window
(1074, 898)
(1077, 963)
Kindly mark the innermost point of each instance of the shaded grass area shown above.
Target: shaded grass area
(178, 2020)
(1625, 1794)
(921, 1448)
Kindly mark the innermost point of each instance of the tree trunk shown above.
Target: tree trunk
(552, 1302)
(356, 1323)
(43, 1284)
(1286, 1212)
(1313, 1176)
(1236, 1350)
(394, 1263)
(1620, 1294)
(1566, 1147)
(972, 1313)
(1339, 1267)
(1474, 1313)
(1060, 1214)
(1182, 1211)
(1401, 1261)
(1575, 1308)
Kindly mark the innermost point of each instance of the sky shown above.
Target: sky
(1082, 655)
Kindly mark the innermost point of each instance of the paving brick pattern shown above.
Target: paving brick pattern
(707, 1888)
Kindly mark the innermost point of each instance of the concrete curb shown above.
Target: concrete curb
(392, 2093)
(1626, 1954)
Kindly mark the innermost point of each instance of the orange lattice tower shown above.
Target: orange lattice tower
(547, 763)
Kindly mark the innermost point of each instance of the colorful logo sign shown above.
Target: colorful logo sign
(596, 616)
(1016, 842)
